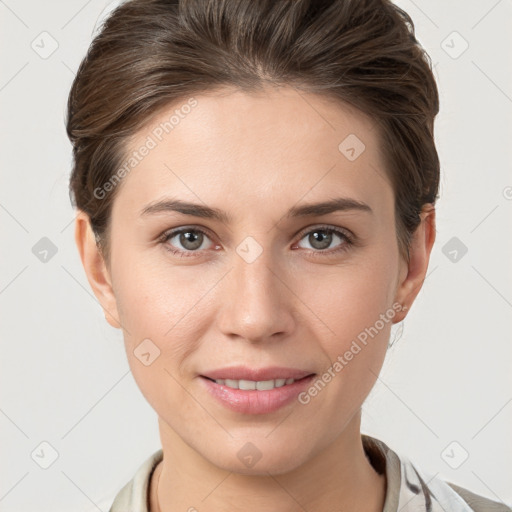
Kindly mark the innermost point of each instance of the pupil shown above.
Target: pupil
(321, 240)
(189, 237)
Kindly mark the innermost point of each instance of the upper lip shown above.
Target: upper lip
(256, 374)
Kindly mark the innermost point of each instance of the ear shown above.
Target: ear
(95, 268)
(413, 273)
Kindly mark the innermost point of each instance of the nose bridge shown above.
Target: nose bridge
(255, 304)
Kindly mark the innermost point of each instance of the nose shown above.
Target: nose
(257, 301)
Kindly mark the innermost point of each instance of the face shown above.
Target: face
(269, 282)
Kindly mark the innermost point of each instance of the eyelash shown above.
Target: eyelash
(348, 240)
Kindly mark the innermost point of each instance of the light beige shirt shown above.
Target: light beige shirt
(408, 488)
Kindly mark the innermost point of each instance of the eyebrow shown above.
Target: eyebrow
(207, 212)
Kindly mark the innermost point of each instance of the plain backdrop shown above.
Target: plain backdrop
(444, 397)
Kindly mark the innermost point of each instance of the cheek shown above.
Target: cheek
(163, 304)
(159, 310)
(355, 302)
(153, 298)
(351, 298)
(355, 305)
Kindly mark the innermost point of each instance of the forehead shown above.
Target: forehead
(274, 147)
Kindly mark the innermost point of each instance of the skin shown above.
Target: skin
(255, 156)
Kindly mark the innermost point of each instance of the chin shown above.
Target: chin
(248, 459)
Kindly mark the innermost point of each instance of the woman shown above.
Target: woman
(255, 184)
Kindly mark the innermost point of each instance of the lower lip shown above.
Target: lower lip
(253, 401)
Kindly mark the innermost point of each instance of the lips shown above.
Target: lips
(253, 374)
(267, 398)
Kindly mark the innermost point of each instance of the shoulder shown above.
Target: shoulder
(443, 495)
(439, 494)
(479, 503)
(411, 488)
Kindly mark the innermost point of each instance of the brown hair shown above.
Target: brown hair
(153, 53)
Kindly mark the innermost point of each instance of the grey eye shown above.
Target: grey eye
(321, 238)
(189, 239)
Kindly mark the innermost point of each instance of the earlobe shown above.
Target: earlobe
(412, 278)
(95, 268)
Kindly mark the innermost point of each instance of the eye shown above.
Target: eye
(185, 240)
(321, 238)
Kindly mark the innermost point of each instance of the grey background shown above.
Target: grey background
(445, 391)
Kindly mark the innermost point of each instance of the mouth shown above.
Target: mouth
(246, 396)
(257, 385)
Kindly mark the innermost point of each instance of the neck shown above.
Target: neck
(340, 477)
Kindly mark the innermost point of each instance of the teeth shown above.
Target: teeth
(261, 385)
